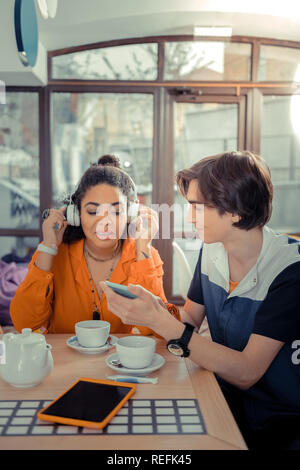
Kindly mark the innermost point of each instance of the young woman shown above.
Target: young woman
(247, 284)
(62, 285)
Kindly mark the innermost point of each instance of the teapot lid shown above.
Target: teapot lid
(28, 337)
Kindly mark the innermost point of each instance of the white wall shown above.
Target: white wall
(12, 71)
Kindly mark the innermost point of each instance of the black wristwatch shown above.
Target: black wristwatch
(179, 347)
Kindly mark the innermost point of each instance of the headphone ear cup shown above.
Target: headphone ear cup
(133, 211)
(72, 215)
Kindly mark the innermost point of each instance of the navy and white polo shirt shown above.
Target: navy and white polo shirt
(265, 302)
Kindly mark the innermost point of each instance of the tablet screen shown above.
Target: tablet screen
(88, 401)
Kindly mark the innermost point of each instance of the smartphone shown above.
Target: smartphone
(88, 403)
(121, 290)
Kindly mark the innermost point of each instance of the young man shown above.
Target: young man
(247, 284)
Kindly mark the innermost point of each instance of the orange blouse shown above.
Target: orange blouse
(57, 299)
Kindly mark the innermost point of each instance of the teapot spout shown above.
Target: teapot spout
(46, 364)
(48, 355)
(42, 355)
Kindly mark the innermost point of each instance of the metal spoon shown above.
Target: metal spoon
(116, 363)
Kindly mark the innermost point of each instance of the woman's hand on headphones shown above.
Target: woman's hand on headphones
(54, 226)
(147, 225)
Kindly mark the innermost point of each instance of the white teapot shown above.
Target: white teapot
(28, 359)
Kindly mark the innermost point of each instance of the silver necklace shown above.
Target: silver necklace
(96, 315)
(103, 259)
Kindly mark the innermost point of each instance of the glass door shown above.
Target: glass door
(202, 126)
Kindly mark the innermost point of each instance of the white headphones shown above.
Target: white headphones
(72, 215)
(133, 210)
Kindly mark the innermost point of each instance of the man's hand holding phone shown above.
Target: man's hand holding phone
(145, 310)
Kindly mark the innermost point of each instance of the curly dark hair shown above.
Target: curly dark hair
(106, 171)
(238, 182)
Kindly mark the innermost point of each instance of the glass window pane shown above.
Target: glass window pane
(201, 129)
(202, 60)
(19, 161)
(279, 63)
(87, 125)
(128, 62)
(17, 249)
(280, 147)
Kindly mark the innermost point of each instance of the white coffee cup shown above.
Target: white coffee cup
(136, 352)
(92, 333)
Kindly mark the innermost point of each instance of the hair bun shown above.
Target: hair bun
(109, 160)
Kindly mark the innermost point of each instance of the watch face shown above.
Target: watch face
(175, 349)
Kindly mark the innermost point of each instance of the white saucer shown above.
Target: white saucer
(157, 363)
(73, 343)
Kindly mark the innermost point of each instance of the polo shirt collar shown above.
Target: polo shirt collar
(220, 260)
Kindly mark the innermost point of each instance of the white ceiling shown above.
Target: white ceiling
(81, 22)
(88, 21)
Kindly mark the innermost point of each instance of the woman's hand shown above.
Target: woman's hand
(147, 224)
(147, 310)
(147, 227)
(54, 227)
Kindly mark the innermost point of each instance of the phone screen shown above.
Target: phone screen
(88, 401)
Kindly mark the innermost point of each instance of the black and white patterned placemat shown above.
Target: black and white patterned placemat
(179, 416)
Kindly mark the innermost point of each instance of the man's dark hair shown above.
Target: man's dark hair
(235, 182)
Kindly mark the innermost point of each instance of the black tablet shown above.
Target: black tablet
(88, 403)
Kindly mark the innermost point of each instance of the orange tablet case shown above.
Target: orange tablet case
(89, 424)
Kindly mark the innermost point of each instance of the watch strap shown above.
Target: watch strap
(187, 334)
(47, 249)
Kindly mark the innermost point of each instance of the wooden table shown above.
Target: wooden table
(178, 379)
